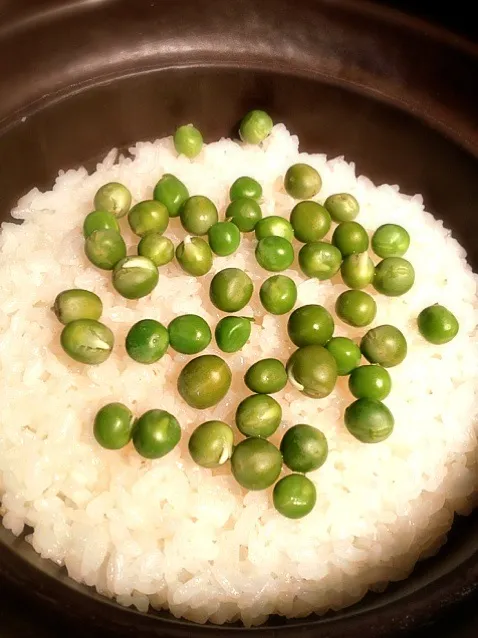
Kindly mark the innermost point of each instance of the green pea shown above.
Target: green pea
(356, 308)
(198, 214)
(171, 192)
(313, 371)
(87, 341)
(113, 198)
(147, 341)
(194, 256)
(350, 238)
(156, 433)
(301, 181)
(258, 415)
(147, 217)
(310, 221)
(304, 448)
(370, 382)
(159, 249)
(278, 294)
(384, 345)
(204, 381)
(231, 289)
(274, 253)
(135, 277)
(294, 496)
(346, 353)
(74, 304)
(266, 376)
(232, 333)
(437, 324)
(390, 240)
(211, 444)
(369, 421)
(113, 426)
(310, 325)
(394, 276)
(274, 226)
(255, 127)
(320, 260)
(244, 212)
(357, 271)
(189, 334)
(342, 207)
(99, 220)
(245, 187)
(188, 141)
(224, 238)
(105, 248)
(256, 463)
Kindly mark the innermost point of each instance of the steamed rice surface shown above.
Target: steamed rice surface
(168, 533)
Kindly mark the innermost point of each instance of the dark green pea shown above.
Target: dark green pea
(171, 192)
(224, 238)
(211, 444)
(278, 294)
(437, 324)
(231, 289)
(369, 421)
(356, 308)
(245, 213)
(156, 433)
(148, 217)
(74, 304)
(310, 221)
(105, 248)
(304, 448)
(198, 214)
(390, 240)
(301, 181)
(157, 248)
(357, 271)
(114, 198)
(113, 426)
(147, 341)
(350, 238)
(256, 463)
(342, 207)
(189, 334)
(258, 415)
(255, 127)
(245, 187)
(274, 226)
(204, 381)
(194, 256)
(99, 220)
(232, 333)
(384, 345)
(266, 376)
(135, 277)
(320, 260)
(346, 353)
(370, 382)
(310, 325)
(274, 253)
(313, 371)
(87, 341)
(394, 276)
(294, 496)
(188, 141)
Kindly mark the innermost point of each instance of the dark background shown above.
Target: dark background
(18, 614)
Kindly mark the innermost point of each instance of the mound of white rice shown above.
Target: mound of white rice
(168, 533)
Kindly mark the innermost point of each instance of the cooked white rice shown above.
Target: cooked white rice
(168, 533)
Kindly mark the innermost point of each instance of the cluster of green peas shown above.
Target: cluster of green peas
(204, 381)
